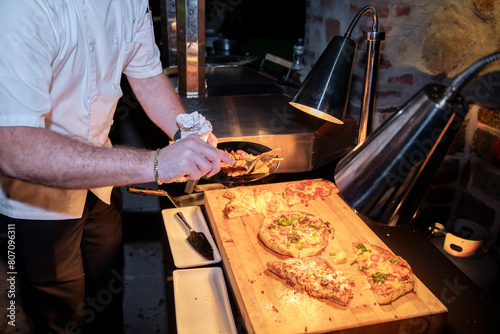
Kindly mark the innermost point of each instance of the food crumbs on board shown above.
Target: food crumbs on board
(271, 307)
(330, 318)
(262, 292)
(305, 329)
(396, 316)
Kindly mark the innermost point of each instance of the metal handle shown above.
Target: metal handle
(146, 191)
(184, 221)
(152, 192)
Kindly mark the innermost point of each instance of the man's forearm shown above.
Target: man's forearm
(44, 157)
(159, 100)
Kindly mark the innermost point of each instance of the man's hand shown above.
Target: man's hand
(190, 157)
(212, 140)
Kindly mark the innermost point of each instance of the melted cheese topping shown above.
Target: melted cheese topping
(300, 230)
(316, 278)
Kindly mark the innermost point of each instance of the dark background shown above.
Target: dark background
(260, 26)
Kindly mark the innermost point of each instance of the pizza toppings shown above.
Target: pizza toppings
(297, 234)
(389, 276)
(307, 190)
(244, 162)
(248, 201)
(240, 167)
(315, 276)
(362, 249)
(297, 221)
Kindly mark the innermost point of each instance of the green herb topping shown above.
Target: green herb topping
(379, 277)
(363, 249)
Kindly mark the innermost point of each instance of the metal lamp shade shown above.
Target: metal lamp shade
(325, 91)
(386, 177)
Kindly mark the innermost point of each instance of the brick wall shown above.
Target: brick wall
(431, 41)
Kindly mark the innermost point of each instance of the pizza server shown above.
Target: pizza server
(179, 201)
(197, 240)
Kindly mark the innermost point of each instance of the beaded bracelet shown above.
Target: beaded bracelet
(157, 157)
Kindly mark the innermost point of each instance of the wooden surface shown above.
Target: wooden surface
(268, 305)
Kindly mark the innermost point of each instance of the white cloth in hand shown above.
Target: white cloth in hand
(194, 123)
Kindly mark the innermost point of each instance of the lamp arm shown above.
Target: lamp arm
(463, 78)
(372, 62)
(359, 15)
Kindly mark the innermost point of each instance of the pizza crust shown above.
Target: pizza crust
(273, 242)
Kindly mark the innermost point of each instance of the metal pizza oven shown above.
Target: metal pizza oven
(245, 105)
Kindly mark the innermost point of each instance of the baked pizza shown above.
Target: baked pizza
(248, 163)
(248, 201)
(315, 276)
(239, 167)
(306, 190)
(295, 233)
(389, 276)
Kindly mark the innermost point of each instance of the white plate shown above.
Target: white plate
(201, 302)
(184, 255)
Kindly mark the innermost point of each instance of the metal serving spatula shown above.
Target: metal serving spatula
(197, 240)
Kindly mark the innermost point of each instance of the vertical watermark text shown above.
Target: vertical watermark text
(11, 274)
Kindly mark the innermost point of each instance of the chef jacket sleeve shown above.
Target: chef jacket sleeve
(25, 69)
(143, 53)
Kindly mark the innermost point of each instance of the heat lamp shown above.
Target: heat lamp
(385, 177)
(324, 93)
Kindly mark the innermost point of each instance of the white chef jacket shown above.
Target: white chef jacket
(61, 63)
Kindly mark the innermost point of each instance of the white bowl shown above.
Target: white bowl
(461, 247)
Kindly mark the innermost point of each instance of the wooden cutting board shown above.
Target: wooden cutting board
(268, 305)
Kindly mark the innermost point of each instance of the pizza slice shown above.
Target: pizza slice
(389, 276)
(247, 163)
(233, 193)
(240, 165)
(241, 203)
(246, 201)
(295, 233)
(370, 256)
(315, 276)
(307, 190)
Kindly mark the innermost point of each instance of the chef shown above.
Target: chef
(61, 64)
